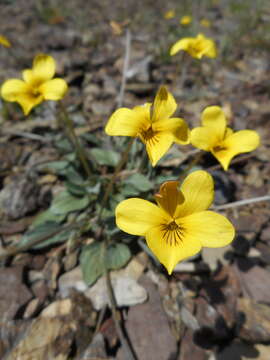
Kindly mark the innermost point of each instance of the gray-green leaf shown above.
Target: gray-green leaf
(41, 231)
(140, 182)
(64, 203)
(105, 157)
(94, 258)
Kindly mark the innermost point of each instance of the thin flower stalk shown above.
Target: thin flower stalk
(118, 168)
(68, 125)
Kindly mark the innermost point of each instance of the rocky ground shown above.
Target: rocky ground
(214, 307)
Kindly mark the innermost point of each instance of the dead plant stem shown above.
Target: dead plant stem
(242, 202)
(15, 250)
(129, 354)
(125, 69)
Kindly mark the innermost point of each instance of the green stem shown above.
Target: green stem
(182, 70)
(119, 166)
(68, 124)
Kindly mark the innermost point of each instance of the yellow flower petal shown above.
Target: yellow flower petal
(209, 228)
(239, 142)
(243, 141)
(205, 23)
(196, 47)
(169, 197)
(127, 122)
(170, 14)
(43, 67)
(182, 44)
(202, 138)
(185, 20)
(164, 105)
(198, 191)
(212, 50)
(13, 88)
(207, 46)
(29, 77)
(136, 216)
(177, 126)
(228, 132)
(168, 252)
(158, 145)
(17, 90)
(4, 41)
(28, 101)
(213, 118)
(53, 89)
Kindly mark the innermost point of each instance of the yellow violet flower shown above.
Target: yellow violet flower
(170, 14)
(37, 85)
(220, 140)
(196, 47)
(185, 20)
(152, 124)
(4, 41)
(179, 225)
(205, 23)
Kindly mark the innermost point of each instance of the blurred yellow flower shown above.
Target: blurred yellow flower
(37, 85)
(220, 140)
(196, 47)
(185, 20)
(179, 225)
(152, 124)
(170, 14)
(205, 23)
(4, 41)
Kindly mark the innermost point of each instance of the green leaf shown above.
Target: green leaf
(64, 145)
(56, 167)
(129, 190)
(93, 260)
(117, 256)
(93, 189)
(139, 182)
(74, 189)
(48, 216)
(73, 176)
(105, 157)
(91, 138)
(64, 203)
(43, 230)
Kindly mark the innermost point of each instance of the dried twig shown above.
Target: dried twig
(242, 202)
(129, 355)
(27, 135)
(125, 69)
(17, 249)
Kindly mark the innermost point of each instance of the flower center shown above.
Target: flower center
(173, 233)
(219, 148)
(35, 92)
(196, 47)
(149, 135)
